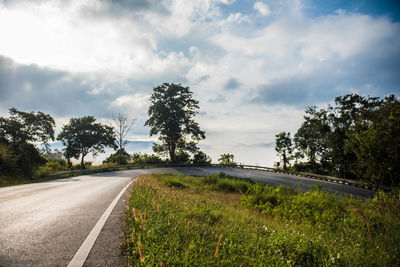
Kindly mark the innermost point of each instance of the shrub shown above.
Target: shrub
(50, 168)
(174, 183)
(8, 159)
(121, 157)
(201, 158)
(139, 158)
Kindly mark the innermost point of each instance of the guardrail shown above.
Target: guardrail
(312, 176)
(254, 167)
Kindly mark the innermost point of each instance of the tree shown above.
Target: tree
(284, 147)
(227, 159)
(17, 133)
(123, 124)
(121, 157)
(377, 145)
(311, 138)
(171, 113)
(350, 115)
(24, 127)
(82, 136)
(201, 158)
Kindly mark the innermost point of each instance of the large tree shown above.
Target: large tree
(24, 127)
(377, 144)
(284, 147)
(311, 138)
(82, 136)
(17, 133)
(171, 114)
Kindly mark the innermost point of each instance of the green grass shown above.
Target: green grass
(220, 220)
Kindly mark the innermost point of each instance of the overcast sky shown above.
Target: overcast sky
(253, 65)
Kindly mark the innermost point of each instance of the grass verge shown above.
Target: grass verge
(220, 220)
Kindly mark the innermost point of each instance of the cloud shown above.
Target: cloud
(232, 84)
(64, 37)
(262, 8)
(257, 145)
(127, 7)
(135, 103)
(218, 99)
(30, 87)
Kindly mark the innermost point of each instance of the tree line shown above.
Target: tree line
(356, 138)
(170, 116)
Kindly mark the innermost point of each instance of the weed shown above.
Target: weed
(228, 221)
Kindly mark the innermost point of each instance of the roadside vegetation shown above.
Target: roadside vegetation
(220, 220)
(356, 138)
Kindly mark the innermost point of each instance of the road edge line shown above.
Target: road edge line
(80, 256)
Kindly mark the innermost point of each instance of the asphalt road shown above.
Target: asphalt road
(44, 224)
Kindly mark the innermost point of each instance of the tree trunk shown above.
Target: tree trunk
(172, 147)
(284, 161)
(82, 162)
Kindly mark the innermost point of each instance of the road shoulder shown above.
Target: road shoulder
(106, 251)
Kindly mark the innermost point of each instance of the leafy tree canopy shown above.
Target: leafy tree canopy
(24, 127)
(227, 159)
(356, 138)
(201, 158)
(284, 147)
(171, 114)
(82, 136)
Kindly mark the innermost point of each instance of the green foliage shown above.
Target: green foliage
(18, 157)
(24, 127)
(227, 159)
(284, 147)
(82, 136)
(144, 158)
(357, 138)
(8, 159)
(173, 183)
(377, 147)
(53, 155)
(201, 158)
(227, 184)
(121, 157)
(50, 167)
(29, 158)
(197, 225)
(171, 115)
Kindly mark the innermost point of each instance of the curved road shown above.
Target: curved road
(44, 224)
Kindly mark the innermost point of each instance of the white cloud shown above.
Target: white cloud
(134, 103)
(63, 37)
(262, 8)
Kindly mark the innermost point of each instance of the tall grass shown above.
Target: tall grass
(219, 220)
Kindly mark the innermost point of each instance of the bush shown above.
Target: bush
(182, 157)
(139, 158)
(174, 183)
(201, 158)
(121, 157)
(50, 167)
(8, 160)
(29, 158)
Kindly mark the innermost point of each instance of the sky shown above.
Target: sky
(254, 66)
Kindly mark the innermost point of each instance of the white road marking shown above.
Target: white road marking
(79, 259)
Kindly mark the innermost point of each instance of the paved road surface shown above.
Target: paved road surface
(44, 224)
